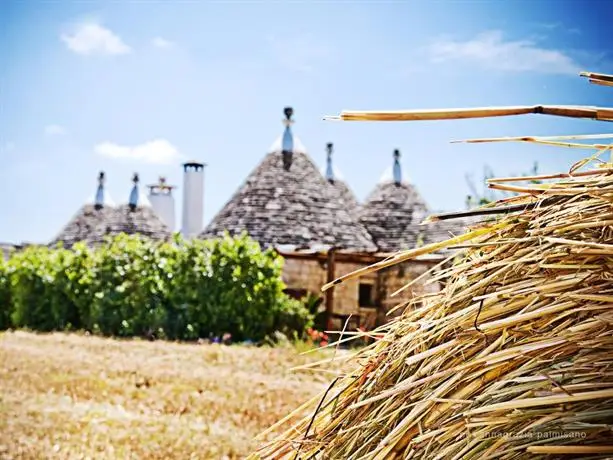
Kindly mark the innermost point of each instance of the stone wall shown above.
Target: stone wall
(346, 294)
(304, 274)
(311, 275)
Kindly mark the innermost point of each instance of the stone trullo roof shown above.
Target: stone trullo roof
(394, 211)
(95, 221)
(338, 183)
(286, 201)
(346, 196)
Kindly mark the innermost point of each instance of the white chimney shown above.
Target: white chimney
(193, 198)
(163, 202)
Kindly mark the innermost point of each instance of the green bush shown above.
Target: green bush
(229, 285)
(293, 318)
(131, 286)
(38, 292)
(76, 284)
(5, 296)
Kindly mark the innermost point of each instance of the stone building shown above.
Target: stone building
(100, 217)
(315, 222)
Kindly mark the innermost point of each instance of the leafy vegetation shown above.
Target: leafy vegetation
(134, 287)
(5, 297)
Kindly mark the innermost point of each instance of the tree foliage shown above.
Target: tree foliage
(131, 286)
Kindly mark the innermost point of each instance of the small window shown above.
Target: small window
(366, 295)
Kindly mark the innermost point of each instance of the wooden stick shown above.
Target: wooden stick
(597, 113)
(600, 82)
(598, 76)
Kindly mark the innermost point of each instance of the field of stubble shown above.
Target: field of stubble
(68, 396)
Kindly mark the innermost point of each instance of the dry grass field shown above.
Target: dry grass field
(75, 397)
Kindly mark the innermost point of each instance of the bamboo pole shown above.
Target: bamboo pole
(596, 113)
(598, 76)
(596, 81)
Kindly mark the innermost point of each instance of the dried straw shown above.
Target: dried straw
(570, 111)
(555, 141)
(598, 78)
(512, 359)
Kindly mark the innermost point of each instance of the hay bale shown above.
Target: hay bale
(512, 359)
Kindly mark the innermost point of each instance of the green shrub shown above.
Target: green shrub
(188, 306)
(76, 279)
(129, 288)
(38, 290)
(229, 285)
(5, 296)
(293, 318)
(132, 286)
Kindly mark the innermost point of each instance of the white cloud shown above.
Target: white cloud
(54, 130)
(91, 38)
(490, 50)
(160, 42)
(158, 151)
(299, 54)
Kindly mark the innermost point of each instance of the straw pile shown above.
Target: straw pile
(512, 359)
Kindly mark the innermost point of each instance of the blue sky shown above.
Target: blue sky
(140, 86)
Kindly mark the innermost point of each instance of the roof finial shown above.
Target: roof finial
(134, 193)
(397, 168)
(329, 169)
(287, 145)
(99, 202)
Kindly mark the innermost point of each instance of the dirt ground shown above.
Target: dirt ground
(71, 396)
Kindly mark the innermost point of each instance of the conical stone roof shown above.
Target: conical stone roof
(94, 222)
(394, 211)
(291, 206)
(85, 226)
(347, 197)
(391, 214)
(142, 220)
(339, 185)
